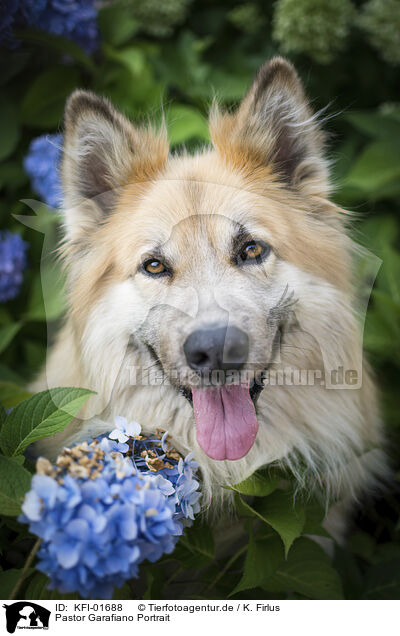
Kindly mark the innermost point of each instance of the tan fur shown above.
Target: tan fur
(259, 174)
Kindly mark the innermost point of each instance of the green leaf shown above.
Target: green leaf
(11, 394)
(374, 124)
(351, 575)
(12, 175)
(57, 43)
(40, 416)
(315, 514)
(188, 559)
(282, 513)
(186, 123)
(262, 559)
(154, 583)
(377, 166)
(3, 415)
(199, 540)
(7, 334)
(9, 128)
(123, 593)
(37, 590)
(362, 544)
(260, 484)
(14, 483)
(8, 579)
(44, 101)
(383, 581)
(117, 25)
(12, 63)
(307, 571)
(386, 552)
(7, 375)
(228, 86)
(132, 57)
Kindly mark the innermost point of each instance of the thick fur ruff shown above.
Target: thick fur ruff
(265, 175)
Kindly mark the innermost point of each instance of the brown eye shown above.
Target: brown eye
(253, 251)
(154, 267)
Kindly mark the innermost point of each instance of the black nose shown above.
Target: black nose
(221, 348)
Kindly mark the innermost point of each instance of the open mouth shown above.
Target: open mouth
(255, 388)
(225, 416)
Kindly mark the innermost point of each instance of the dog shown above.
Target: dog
(217, 272)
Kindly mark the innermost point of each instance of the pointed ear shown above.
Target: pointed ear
(103, 152)
(274, 127)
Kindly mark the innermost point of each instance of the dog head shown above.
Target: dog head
(195, 263)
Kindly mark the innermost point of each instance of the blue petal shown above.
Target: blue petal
(46, 488)
(78, 529)
(32, 506)
(68, 554)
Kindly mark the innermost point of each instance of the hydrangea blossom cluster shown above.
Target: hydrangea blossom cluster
(73, 19)
(314, 27)
(41, 165)
(159, 18)
(8, 9)
(106, 506)
(381, 21)
(12, 264)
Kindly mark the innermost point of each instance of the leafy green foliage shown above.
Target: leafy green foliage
(168, 59)
(9, 128)
(315, 27)
(262, 560)
(37, 589)
(282, 513)
(11, 394)
(381, 22)
(44, 100)
(7, 333)
(41, 415)
(308, 572)
(14, 483)
(8, 580)
(259, 484)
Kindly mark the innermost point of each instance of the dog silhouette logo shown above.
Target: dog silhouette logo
(26, 615)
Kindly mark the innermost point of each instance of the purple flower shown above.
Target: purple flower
(12, 264)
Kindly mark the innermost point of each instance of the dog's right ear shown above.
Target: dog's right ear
(103, 152)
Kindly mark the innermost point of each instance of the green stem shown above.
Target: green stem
(226, 568)
(24, 570)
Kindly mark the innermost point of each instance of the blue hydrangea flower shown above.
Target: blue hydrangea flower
(31, 12)
(73, 19)
(41, 164)
(100, 511)
(8, 9)
(12, 264)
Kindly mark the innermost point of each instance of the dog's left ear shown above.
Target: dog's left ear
(274, 127)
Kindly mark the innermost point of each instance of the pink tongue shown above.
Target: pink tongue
(226, 422)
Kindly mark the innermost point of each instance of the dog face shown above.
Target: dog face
(205, 266)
